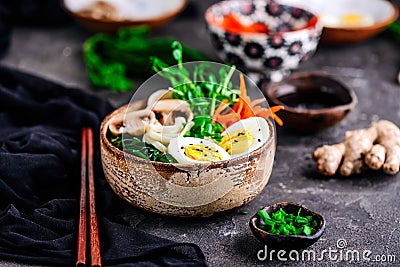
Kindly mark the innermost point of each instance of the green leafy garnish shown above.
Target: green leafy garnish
(110, 59)
(283, 223)
(134, 146)
(203, 127)
(202, 90)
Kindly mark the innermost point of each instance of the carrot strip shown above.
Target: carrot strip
(257, 101)
(238, 106)
(266, 113)
(219, 109)
(242, 86)
(232, 24)
(277, 119)
(276, 108)
(228, 119)
(244, 108)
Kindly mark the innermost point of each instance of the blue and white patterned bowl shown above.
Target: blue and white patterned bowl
(293, 36)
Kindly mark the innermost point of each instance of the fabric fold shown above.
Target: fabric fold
(41, 122)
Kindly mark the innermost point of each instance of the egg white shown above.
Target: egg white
(176, 149)
(257, 126)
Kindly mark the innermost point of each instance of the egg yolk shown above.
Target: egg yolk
(237, 141)
(353, 19)
(202, 152)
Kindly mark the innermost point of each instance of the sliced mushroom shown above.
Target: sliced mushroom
(132, 122)
(173, 113)
(156, 144)
(135, 121)
(116, 125)
(159, 95)
(175, 128)
(171, 106)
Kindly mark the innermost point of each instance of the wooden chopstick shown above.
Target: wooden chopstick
(88, 174)
(81, 257)
(93, 224)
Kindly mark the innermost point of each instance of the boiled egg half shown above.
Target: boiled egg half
(196, 150)
(245, 136)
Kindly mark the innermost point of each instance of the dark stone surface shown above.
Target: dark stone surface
(363, 209)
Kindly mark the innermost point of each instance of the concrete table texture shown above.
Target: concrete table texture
(362, 212)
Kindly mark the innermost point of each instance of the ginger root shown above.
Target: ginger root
(374, 147)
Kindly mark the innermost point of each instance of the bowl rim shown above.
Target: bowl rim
(296, 75)
(255, 218)
(317, 25)
(377, 25)
(162, 17)
(271, 141)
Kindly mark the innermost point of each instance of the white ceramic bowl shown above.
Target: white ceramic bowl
(349, 21)
(110, 15)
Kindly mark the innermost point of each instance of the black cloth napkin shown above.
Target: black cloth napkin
(40, 128)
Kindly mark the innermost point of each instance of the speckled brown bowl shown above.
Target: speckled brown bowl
(308, 86)
(181, 189)
(287, 242)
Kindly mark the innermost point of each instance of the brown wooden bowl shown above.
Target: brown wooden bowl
(184, 190)
(110, 25)
(299, 95)
(287, 242)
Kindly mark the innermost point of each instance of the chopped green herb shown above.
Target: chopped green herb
(134, 146)
(283, 223)
(244, 212)
(307, 230)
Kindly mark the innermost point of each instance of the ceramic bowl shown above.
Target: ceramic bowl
(372, 17)
(349, 21)
(292, 36)
(184, 190)
(109, 16)
(287, 242)
(313, 101)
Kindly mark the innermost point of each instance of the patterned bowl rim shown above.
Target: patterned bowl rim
(209, 15)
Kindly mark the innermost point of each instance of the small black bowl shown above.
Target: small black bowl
(287, 242)
(312, 101)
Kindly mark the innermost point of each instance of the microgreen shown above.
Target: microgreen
(203, 127)
(283, 223)
(202, 90)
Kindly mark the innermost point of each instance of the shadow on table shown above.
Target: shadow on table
(368, 178)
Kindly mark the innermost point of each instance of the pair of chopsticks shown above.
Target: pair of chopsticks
(87, 186)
